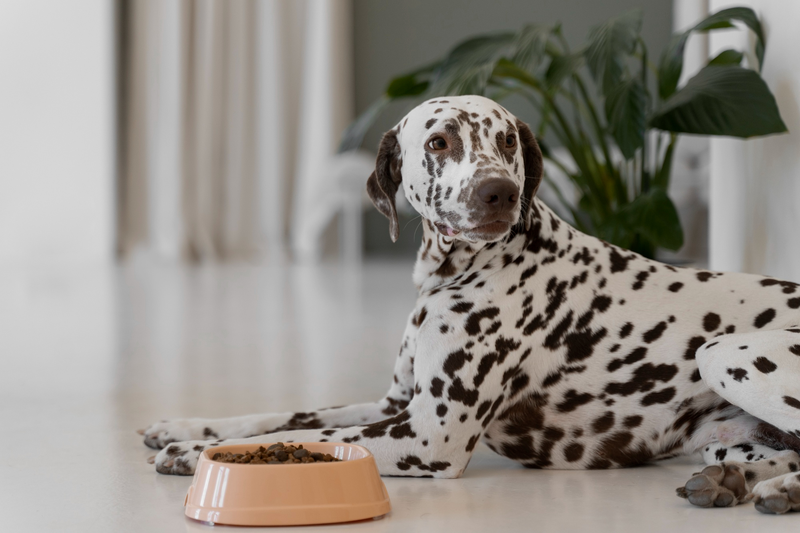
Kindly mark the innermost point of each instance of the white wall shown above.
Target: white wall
(56, 132)
(755, 184)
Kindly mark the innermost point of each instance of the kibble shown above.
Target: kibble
(277, 454)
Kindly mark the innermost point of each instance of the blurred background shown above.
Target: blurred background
(203, 131)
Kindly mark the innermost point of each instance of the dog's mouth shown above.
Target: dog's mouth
(446, 230)
(483, 231)
(492, 228)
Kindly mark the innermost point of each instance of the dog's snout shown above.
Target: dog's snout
(498, 194)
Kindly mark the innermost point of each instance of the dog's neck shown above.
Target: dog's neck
(441, 259)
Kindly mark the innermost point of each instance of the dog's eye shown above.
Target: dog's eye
(437, 144)
(511, 141)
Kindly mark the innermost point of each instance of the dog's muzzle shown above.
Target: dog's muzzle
(491, 206)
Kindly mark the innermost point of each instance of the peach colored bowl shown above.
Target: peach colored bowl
(286, 495)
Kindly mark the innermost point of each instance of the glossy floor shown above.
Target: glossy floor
(89, 356)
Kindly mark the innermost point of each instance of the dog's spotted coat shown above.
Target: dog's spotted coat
(556, 349)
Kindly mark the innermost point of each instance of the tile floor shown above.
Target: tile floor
(89, 356)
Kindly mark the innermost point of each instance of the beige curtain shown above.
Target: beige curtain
(214, 98)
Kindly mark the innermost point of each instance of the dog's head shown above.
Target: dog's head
(467, 165)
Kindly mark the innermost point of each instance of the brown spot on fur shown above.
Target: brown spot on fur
(711, 322)
(573, 452)
(694, 344)
(604, 423)
(764, 365)
(764, 318)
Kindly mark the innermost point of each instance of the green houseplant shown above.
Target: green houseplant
(597, 102)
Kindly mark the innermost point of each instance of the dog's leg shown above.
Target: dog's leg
(717, 453)
(456, 396)
(758, 372)
(743, 438)
(166, 432)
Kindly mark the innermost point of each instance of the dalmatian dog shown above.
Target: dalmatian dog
(555, 348)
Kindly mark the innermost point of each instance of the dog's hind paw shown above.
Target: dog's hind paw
(778, 495)
(716, 486)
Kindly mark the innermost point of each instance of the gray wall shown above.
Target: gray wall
(394, 36)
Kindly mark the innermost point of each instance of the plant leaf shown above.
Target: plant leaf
(468, 67)
(653, 215)
(663, 174)
(507, 69)
(718, 25)
(742, 14)
(411, 84)
(727, 57)
(625, 111)
(609, 45)
(529, 51)
(721, 100)
(565, 204)
(671, 65)
(562, 67)
(544, 147)
(614, 230)
(353, 135)
(498, 90)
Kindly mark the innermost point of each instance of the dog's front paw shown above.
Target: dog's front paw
(166, 432)
(179, 459)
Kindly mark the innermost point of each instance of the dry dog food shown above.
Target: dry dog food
(277, 454)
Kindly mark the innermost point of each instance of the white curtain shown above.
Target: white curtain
(229, 113)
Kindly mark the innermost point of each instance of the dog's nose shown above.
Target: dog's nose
(498, 194)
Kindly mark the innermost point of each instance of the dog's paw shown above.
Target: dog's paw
(166, 432)
(179, 459)
(778, 495)
(716, 486)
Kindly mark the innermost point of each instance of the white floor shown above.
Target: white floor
(87, 357)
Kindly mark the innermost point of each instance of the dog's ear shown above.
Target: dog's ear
(383, 183)
(532, 157)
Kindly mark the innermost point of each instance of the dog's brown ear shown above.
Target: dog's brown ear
(383, 183)
(532, 157)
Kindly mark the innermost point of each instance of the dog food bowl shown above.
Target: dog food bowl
(287, 495)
